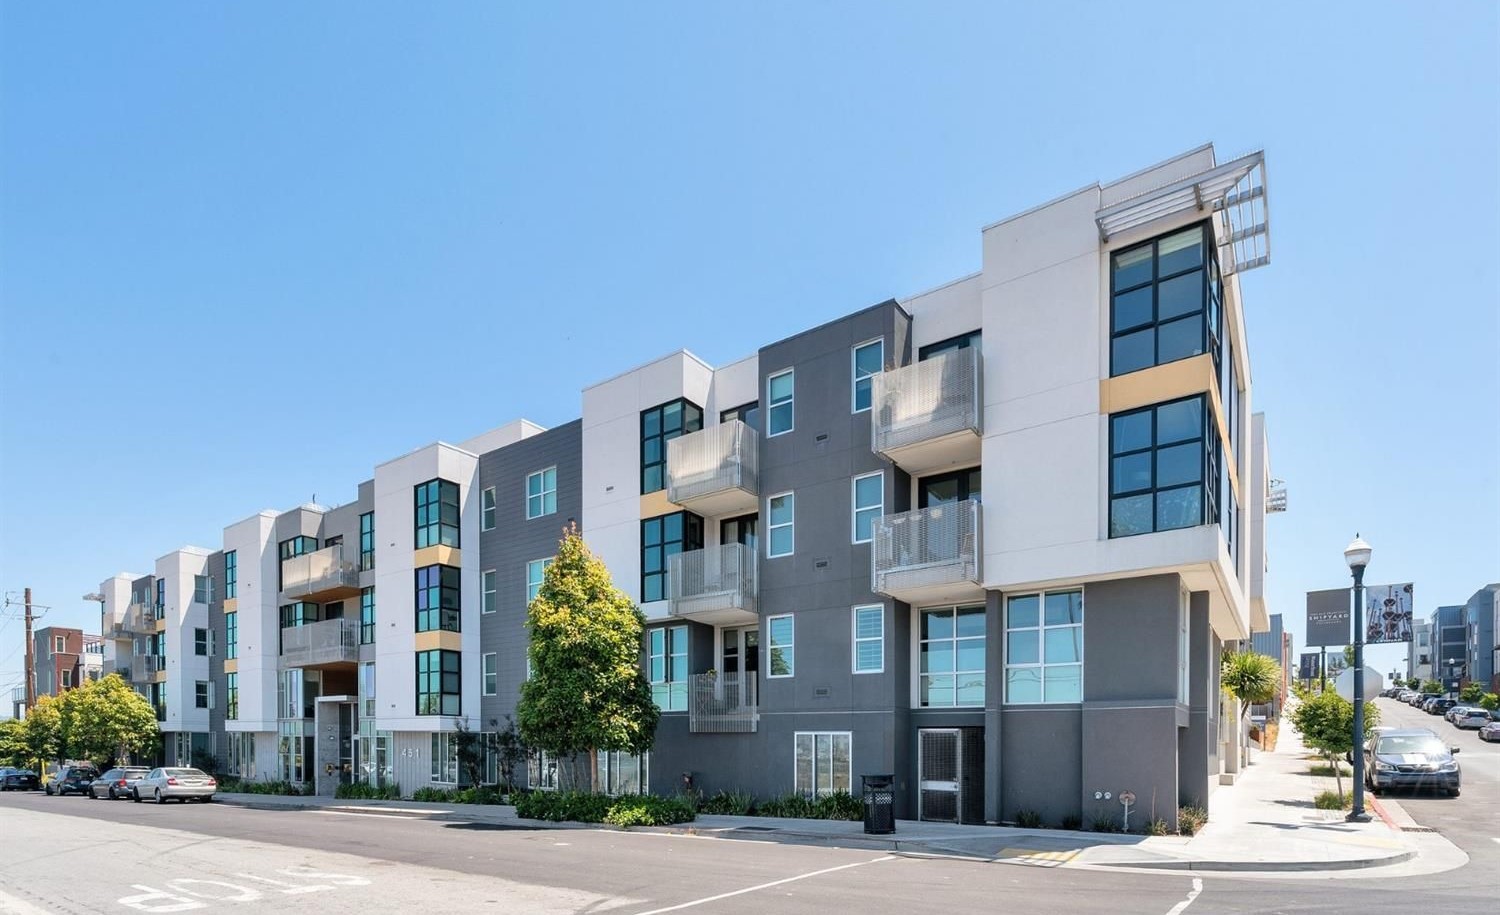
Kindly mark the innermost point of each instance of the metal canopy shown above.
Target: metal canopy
(1235, 192)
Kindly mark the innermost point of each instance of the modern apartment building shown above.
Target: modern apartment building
(65, 658)
(1451, 646)
(1419, 659)
(1481, 625)
(990, 539)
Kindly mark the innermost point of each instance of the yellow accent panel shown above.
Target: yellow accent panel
(1229, 460)
(655, 503)
(231, 665)
(231, 605)
(159, 677)
(437, 555)
(1157, 384)
(161, 625)
(442, 639)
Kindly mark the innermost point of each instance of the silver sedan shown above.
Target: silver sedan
(180, 784)
(117, 782)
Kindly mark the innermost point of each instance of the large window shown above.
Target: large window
(287, 549)
(866, 361)
(203, 589)
(445, 758)
(487, 509)
(231, 696)
(536, 573)
(367, 615)
(667, 667)
(487, 591)
(1164, 468)
(201, 643)
(781, 529)
(231, 575)
(200, 694)
(660, 425)
(541, 493)
(491, 673)
(663, 537)
(868, 498)
(231, 636)
(780, 409)
(620, 773)
(436, 521)
(1166, 295)
(747, 413)
(1044, 647)
(366, 541)
(161, 598)
(869, 639)
(952, 657)
(438, 602)
(962, 341)
(781, 645)
(823, 762)
(439, 687)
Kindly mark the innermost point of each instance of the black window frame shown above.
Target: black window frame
(231, 574)
(966, 340)
(657, 549)
(200, 642)
(291, 548)
(231, 636)
(440, 495)
(1209, 313)
(431, 701)
(662, 435)
(367, 615)
(1211, 457)
(963, 477)
(200, 694)
(444, 594)
(231, 696)
(750, 409)
(367, 541)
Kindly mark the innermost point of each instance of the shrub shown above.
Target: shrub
(1326, 770)
(1072, 821)
(840, 805)
(1103, 824)
(648, 810)
(287, 789)
(1157, 828)
(728, 803)
(433, 795)
(1332, 800)
(1028, 819)
(1490, 701)
(584, 807)
(1191, 819)
(790, 805)
(363, 791)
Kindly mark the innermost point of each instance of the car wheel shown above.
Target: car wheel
(135, 796)
(159, 798)
(1453, 792)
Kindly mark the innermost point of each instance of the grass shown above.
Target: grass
(1028, 819)
(1330, 800)
(1191, 819)
(1327, 771)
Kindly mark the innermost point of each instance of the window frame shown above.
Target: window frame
(541, 494)
(442, 614)
(1210, 309)
(772, 405)
(664, 436)
(832, 780)
(231, 636)
(66, 678)
(424, 501)
(489, 673)
(691, 538)
(488, 585)
(487, 509)
(367, 621)
(771, 528)
(441, 656)
(670, 636)
(366, 542)
(855, 509)
(231, 574)
(443, 767)
(203, 589)
(530, 564)
(1041, 663)
(1210, 460)
(855, 639)
(231, 696)
(201, 696)
(200, 641)
(789, 649)
(855, 377)
(955, 641)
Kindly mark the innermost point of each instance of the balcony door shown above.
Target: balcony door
(739, 530)
(946, 488)
(741, 651)
(940, 538)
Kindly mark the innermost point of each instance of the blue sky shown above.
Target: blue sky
(249, 251)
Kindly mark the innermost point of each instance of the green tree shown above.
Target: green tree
(587, 691)
(1251, 678)
(105, 720)
(42, 734)
(471, 752)
(1349, 656)
(13, 742)
(1431, 686)
(1490, 701)
(1326, 722)
(1471, 693)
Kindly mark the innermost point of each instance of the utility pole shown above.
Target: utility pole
(30, 659)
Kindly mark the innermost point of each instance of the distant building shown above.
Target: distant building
(1273, 643)
(1480, 644)
(1450, 655)
(64, 658)
(1419, 659)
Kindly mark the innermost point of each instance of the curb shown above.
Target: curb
(1261, 866)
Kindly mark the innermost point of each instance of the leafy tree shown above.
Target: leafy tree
(1431, 686)
(1251, 678)
(1490, 701)
(105, 720)
(1348, 655)
(471, 752)
(1471, 693)
(587, 691)
(42, 734)
(13, 742)
(1326, 722)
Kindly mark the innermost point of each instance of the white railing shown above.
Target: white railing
(712, 461)
(318, 571)
(723, 703)
(713, 580)
(927, 400)
(326, 642)
(137, 620)
(143, 666)
(929, 547)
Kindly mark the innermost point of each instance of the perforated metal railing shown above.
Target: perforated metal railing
(325, 642)
(724, 703)
(927, 400)
(137, 620)
(710, 580)
(931, 546)
(711, 461)
(320, 570)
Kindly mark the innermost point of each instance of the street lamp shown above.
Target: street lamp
(1357, 554)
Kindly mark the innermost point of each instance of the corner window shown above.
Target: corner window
(781, 515)
(436, 522)
(487, 592)
(438, 682)
(536, 573)
(823, 762)
(660, 425)
(367, 541)
(1044, 647)
(1165, 301)
(661, 538)
(781, 645)
(1164, 471)
(231, 636)
(867, 360)
(487, 509)
(231, 575)
(541, 493)
(869, 639)
(868, 493)
(438, 599)
(367, 616)
(491, 672)
(952, 657)
(780, 414)
(667, 667)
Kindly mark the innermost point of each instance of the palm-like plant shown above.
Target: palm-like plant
(1251, 678)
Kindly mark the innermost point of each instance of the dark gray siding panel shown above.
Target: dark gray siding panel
(218, 742)
(1041, 761)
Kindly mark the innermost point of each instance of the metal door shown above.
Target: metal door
(938, 767)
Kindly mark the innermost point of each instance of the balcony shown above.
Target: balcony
(715, 586)
(928, 416)
(723, 704)
(137, 620)
(713, 471)
(315, 644)
(928, 556)
(319, 576)
(143, 668)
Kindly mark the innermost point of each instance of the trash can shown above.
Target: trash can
(879, 794)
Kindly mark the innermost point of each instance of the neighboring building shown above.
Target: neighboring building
(1274, 643)
(65, 658)
(1022, 510)
(1450, 657)
(1419, 658)
(1480, 628)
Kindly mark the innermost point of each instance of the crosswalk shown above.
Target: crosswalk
(1034, 858)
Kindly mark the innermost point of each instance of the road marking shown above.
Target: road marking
(1037, 858)
(380, 816)
(1179, 907)
(11, 905)
(766, 886)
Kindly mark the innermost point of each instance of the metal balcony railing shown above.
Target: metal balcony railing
(318, 573)
(927, 401)
(715, 470)
(326, 642)
(144, 666)
(920, 553)
(713, 585)
(138, 619)
(723, 703)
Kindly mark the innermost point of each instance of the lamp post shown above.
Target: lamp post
(1357, 554)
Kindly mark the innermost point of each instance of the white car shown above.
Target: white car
(1475, 718)
(180, 784)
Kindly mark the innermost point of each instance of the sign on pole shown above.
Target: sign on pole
(1388, 614)
(1307, 667)
(1328, 617)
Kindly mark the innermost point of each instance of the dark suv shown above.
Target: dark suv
(73, 780)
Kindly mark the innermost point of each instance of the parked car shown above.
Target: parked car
(1453, 711)
(1411, 758)
(1421, 699)
(72, 780)
(117, 782)
(19, 780)
(1475, 718)
(1374, 733)
(1490, 732)
(1439, 706)
(173, 783)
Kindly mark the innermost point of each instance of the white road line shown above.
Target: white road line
(765, 886)
(379, 816)
(1179, 907)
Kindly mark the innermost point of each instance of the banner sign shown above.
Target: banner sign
(1307, 668)
(1388, 614)
(1328, 617)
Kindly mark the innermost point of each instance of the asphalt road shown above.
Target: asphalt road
(75, 855)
